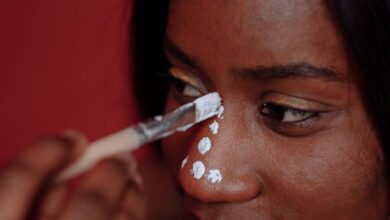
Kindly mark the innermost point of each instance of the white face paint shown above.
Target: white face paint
(198, 169)
(214, 176)
(184, 162)
(204, 145)
(158, 118)
(221, 109)
(214, 127)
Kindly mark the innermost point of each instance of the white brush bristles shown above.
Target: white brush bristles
(207, 106)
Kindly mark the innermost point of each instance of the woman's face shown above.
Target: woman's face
(294, 141)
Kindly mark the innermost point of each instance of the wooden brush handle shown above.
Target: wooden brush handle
(126, 140)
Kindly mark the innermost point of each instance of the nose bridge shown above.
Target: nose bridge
(215, 170)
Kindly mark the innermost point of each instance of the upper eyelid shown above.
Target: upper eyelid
(295, 102)
(188, 78)
(175, 59)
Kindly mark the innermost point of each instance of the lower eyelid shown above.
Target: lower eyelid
(297, 129)
(306, 123)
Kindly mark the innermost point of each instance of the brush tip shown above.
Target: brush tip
(207, 106)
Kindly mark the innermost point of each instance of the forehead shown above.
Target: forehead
(256, 32)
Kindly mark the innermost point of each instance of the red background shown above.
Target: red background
(63, 65)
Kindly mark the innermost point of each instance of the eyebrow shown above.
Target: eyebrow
(302, 70)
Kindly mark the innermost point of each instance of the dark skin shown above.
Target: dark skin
(295, 141)
(28, 190)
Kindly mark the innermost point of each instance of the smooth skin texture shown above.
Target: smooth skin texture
(295, 141)
(27, 190)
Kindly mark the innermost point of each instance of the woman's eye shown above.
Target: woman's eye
(185, 89)
(285, 114)
(185, 85)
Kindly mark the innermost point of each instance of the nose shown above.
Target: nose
(217, 169)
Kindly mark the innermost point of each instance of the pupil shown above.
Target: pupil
(276, 111)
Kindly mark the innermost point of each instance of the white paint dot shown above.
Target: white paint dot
(204, 145)
(214, 127)
(214, 176)
(158, 118)
(221, 109)
(184, 162)
(198, 169)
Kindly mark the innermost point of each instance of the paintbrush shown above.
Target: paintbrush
(133, 137)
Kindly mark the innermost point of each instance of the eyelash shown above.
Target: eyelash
(283, 119)
(269, 110)
(284, 114)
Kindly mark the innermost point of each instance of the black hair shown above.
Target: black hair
(148, 29)
(365, 25)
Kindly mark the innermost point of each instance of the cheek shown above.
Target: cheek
(330, 172)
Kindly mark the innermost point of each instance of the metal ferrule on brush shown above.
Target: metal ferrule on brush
(165, 125)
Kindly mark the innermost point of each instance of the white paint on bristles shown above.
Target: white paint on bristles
(207, 106)
(221, 109)
(204, 145)
(214, 176)
(184, 162)
(198, 169)
(214, 127)
(158, 118)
